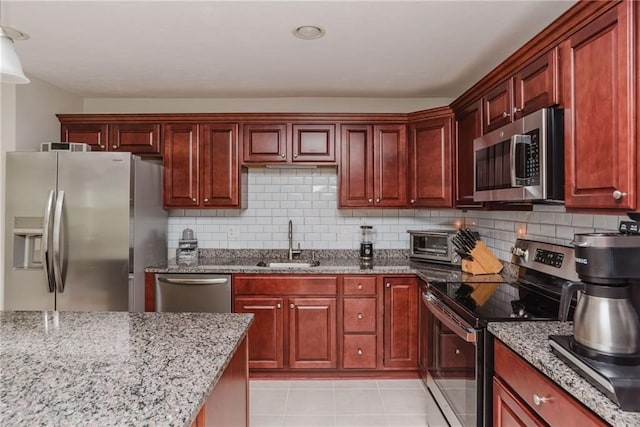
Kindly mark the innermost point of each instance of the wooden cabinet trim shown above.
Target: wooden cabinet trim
(509, 410)
(284, 285)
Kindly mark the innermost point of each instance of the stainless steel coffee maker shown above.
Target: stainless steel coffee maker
(605, 321)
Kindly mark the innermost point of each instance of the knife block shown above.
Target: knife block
(484, 261)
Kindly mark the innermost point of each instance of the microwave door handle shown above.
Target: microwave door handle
(515, 140)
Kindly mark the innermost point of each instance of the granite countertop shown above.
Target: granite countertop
(530, 341)
(112, 368)
(331, 262)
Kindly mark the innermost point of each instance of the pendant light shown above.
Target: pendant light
(10, 66)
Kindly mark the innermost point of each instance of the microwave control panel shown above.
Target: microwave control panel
(532, 162)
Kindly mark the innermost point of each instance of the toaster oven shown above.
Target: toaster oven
(433, 246)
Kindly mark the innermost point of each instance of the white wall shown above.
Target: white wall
(28, 118)
(309, 198)
(261, 105)
(37, 104)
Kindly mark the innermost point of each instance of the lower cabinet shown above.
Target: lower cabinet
(400, 322)
(524, 396)
(360, 322)
(295, 324)
(228, 403)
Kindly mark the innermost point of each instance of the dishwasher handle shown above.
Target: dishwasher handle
(215, 281)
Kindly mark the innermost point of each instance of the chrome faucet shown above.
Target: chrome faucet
(292, 252)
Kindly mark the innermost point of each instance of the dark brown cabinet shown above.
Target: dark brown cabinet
(202, 166)
(400, 322)
(373, 171)
(296, 320)
(430, 163)
(359, 322)
(533, 87)
(289, 143)
(468, 128)
(138, 138)
(600, 124)
(508, 410)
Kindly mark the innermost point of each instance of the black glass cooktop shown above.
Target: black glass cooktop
(479, 303)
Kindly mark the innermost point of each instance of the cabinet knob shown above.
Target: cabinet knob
(619, 194)
(292, 305)
(505, 115)
(360, 352)
(283, 155)
(388, 285)
(359, 286)
(115, 147)
(102, 146)
(360, 316)
(278, 305)
(370, 200)
(194, 199)
(518, 110)
(377, 200)
(537, 400)
(206, 200)
(413, 201)
(457, 351)
(295, 155)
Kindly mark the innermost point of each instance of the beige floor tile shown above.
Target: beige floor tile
(404, 402)
(269, 384)
(351, 384)
(311, 384)
(361, 421)
(411, 421)
(358, 401)
(400, 384)
(266, 420)
(267, 402)
(309, 421)
(310, 402)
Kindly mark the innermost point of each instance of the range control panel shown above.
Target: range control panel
(554, 259)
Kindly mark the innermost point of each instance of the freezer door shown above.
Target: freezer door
(94, 231)
(30, 183)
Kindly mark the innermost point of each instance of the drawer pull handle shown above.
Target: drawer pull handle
(360, 352)
(619, 194)
(360, 316)
(388, 285)
(278, 305)
(457, 351)
(292, 305)
(505, 115)
(537, 400)
(359, 286)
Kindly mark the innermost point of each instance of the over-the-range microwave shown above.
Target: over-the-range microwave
(522, 161)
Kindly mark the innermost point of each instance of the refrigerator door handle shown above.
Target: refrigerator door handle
(46, 259)
(57, 244)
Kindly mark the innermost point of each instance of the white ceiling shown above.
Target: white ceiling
(201, 49)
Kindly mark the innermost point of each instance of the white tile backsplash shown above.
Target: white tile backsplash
(309, 198)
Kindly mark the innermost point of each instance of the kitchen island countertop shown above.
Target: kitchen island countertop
(530, 341)
(112, 368)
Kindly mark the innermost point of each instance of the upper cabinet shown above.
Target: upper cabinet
(468, 128)
(141, 138)
(430, 163)
(373, 166)
(289, 143)
(535, 86)
(598, 82)
(202, 166)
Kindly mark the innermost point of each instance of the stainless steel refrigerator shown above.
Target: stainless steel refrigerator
(80, 228)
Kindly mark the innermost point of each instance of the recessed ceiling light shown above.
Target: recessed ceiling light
(308, 32)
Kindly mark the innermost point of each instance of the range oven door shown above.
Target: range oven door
(452, 363)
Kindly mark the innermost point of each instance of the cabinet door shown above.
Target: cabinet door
(423, 335)
(314, 143)
(219, 165)
(356, 167)
(509, 410)
(266, 345)
(265, 143)
(137, 138)
(597, 94)
(312, 333)
(498, 106)
(468, 128)
(390, 165)
(430, 163)
(94, 134)
(400, 323)
(181, 174)
(536, 85)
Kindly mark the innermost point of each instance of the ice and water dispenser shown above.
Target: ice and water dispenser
(27, 242)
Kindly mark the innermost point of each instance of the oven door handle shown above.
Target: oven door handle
(450, 320)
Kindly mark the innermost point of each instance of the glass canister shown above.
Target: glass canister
(366, 242)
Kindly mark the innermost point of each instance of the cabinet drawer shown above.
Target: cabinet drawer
(359, 285)
(526, 381)
(359, 352)
(359, 315)
(284, 285)
(454, 352)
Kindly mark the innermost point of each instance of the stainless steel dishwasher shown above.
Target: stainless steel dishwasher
(208, 293)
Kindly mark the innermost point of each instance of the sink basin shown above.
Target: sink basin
(288, 264)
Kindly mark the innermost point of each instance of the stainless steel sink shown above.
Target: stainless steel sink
(288, 264)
